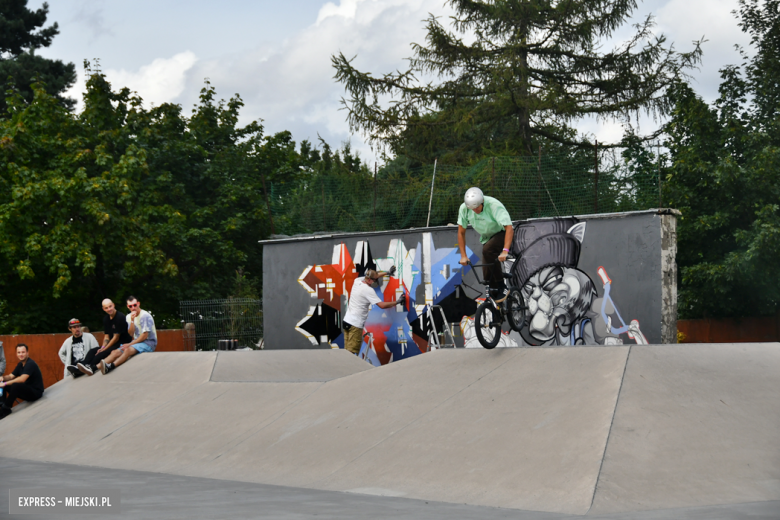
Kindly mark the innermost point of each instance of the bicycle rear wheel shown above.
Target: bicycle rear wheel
(487, 324)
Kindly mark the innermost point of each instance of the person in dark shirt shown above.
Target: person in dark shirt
(25, 382)
(115, 335)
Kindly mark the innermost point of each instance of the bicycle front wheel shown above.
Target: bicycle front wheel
(487, 324)
(515, 306)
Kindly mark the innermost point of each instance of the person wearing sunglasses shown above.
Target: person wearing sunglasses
(361, 298)
(140, 325)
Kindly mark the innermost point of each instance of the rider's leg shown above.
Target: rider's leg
(490, 252)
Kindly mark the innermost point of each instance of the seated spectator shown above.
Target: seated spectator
(25, 382)
(2, 359)
(115, 334)
(74, 349)
(140, 325)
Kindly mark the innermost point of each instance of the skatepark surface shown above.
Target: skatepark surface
(669, 431)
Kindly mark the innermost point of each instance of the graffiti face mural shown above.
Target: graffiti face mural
(556, 298)
(561, 301)
(562, 306)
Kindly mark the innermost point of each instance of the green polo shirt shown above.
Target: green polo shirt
(492, 220)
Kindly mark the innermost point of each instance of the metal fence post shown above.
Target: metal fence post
(596, 181)
(493, 176)
(267, 203)
(374, 196)
(324, 220)
(660, 193)
(430, 202)
(539, 185)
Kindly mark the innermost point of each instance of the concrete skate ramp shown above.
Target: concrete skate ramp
(695, 425)
(552, 429)
(277, 366)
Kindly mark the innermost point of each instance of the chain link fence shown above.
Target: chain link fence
(206, 322)
(398, 198)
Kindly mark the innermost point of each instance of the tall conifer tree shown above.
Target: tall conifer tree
(511, 74)
(22, 32)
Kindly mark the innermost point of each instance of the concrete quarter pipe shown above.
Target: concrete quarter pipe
(577, 430)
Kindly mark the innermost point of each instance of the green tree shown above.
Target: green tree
(22, 32)
(121, 199)
(511, 75)
(724, 175)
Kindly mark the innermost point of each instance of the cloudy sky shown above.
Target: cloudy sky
(276, 54)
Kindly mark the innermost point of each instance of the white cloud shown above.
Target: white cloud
(161, 81)
(346, 9)
(290, 85)
(684, 21)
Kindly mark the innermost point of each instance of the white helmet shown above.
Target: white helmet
(473, 198)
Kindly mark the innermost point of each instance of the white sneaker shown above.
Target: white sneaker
(85, 369)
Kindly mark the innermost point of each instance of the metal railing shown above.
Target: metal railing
(206, 322)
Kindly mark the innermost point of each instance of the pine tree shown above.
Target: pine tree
(22, 32)
(510, 75)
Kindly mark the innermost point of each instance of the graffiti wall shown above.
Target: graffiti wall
(594, 280)
(426, 275)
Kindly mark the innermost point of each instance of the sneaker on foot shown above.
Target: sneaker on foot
(73, 369)
(499, 294)
(102, 367)
(108, 367)
(85, 369)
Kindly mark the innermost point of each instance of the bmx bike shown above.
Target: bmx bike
(491, 313)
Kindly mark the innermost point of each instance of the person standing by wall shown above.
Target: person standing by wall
(115, 334)
(25, 382)
(75, 349)
(360, 300)
(490, 219)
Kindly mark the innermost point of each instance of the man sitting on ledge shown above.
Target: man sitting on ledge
(74, 350)
(140, 325)
(25, 382)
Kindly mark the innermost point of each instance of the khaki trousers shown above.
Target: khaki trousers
(353, 339)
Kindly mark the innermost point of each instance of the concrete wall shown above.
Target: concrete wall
(306, 280)
(44, 349)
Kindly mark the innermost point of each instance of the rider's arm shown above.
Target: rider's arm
(462, 242)
(510, 233)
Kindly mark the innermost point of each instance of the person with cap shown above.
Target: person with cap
(114, 335)
(491, 220)
(74, 349)
(25, 382)
(361, 298)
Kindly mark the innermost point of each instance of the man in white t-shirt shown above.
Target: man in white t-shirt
(360, 300)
